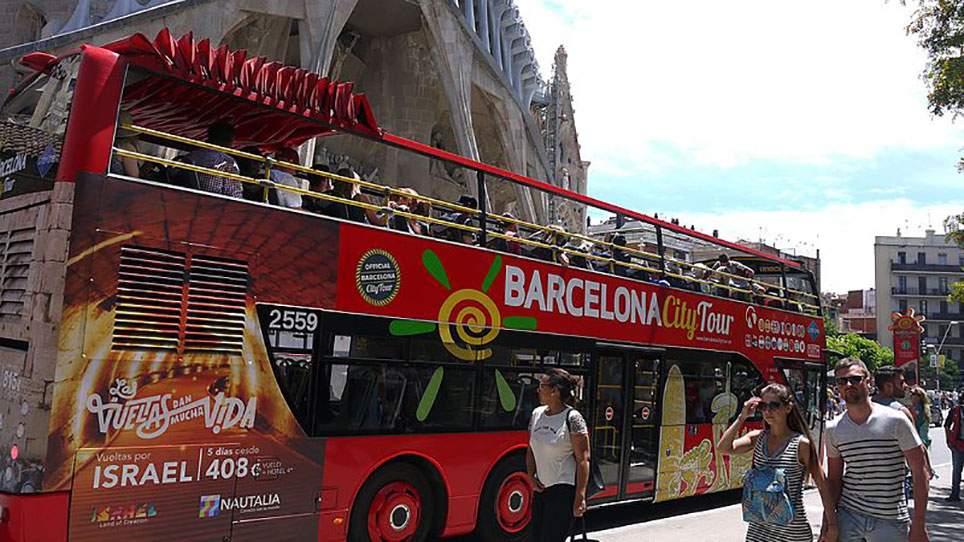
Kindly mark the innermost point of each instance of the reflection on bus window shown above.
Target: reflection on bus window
(388, 399)
(707, 374)
(525, 390)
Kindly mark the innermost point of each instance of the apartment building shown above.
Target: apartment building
(916, 272)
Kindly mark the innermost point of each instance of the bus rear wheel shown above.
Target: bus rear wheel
(394, 505)
(505, 506)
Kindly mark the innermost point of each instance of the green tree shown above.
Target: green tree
(954, 226)
(870, 352)
(938, 26)
(950, 375)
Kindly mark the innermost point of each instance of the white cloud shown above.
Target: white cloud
(844, 233)
(728, 82)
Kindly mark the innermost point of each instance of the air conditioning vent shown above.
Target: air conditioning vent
(17, 252)
(217, 294)
(169, 301)
(150, 292)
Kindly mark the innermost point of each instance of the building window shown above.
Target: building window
(944, 307)
(942, 286)
(901, 258)
(922, 306)
(941, 330)
(942, 258)
(901, 284)
(921, 285)
(902, 306)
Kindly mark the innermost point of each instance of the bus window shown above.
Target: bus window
(525, 393)
(292, 360)
(745, 382)
(380, 398)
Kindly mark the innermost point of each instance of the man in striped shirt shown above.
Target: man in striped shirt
(867, 447)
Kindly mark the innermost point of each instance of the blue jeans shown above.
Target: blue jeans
(857, 527)
(957, 459)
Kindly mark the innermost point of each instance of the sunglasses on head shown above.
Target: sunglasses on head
(770, 405)
(851, 380)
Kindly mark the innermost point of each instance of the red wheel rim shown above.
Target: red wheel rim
(513, 505)
(394, 513)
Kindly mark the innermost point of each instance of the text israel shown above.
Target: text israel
(590, 299)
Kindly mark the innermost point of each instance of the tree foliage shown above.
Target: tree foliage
(938, 26)
(954, 226)
(870, 352)
(950, 375)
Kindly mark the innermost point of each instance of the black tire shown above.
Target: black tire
(489, 527)
(386, 478)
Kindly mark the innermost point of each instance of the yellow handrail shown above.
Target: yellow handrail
(266, 183)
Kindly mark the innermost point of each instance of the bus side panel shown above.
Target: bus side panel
(167, 422)
(38, 516)
(465, 461)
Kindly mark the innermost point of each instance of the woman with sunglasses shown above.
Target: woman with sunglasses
(784, 442)
(557, 460)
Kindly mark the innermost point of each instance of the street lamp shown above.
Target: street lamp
(938, 354)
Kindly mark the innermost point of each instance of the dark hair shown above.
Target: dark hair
(564, 382)
(796, 421)
(724, 257)
(468, 201)
(888, 374)
(849, 362)
(221, 133)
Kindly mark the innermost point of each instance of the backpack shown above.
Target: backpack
(765, 495)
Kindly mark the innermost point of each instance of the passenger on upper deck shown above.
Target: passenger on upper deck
(621, 256)
(321, 185)
(460, 235)
(285, 177)
(345, 190)
(556, 237)
(127, 140)
(221, 134)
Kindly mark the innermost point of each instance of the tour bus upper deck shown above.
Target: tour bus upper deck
(174, 90)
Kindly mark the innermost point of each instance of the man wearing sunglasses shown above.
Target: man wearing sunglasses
(873, 441)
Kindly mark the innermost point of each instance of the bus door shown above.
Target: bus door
(806, 382)
(625, 430)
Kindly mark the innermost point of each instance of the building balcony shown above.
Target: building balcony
(926, 268)
(945, 316)
(918, 292)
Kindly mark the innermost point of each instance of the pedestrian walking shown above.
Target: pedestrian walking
(920, 407)
(954, 431)
(557, 460)
(784, 443)
(873, 442)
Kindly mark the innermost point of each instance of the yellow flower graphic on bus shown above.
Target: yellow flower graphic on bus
(468, 320)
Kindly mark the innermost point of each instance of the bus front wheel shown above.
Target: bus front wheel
(394, 505)
(505, 506)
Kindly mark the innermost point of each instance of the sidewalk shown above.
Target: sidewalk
(945, 521)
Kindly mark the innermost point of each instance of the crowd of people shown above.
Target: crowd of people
(403, 209)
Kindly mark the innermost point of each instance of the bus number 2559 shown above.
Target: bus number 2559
(292, 320)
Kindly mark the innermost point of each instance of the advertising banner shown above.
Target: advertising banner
(475, 293)
(907, 347)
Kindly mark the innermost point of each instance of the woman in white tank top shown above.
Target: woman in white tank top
(557, 460)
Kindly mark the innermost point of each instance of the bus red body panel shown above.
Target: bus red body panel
(38, 517)
(463, 463)
(90, 131)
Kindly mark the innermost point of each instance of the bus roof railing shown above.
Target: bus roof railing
(711, 278)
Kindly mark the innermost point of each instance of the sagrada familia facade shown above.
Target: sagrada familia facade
(457, 74)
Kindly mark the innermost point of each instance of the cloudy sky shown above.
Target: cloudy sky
(802, 123)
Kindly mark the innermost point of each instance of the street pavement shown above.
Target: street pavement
(719, 518)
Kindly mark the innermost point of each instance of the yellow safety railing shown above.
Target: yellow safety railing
(553, 232)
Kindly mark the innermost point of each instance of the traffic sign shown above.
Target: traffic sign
(609, 414)
(645, 413)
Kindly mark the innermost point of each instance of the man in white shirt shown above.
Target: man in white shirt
(285, 177)
(873, 442)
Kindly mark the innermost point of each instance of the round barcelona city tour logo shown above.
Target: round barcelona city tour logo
(378, 277)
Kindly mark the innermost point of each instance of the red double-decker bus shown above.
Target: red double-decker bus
(177, 364)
